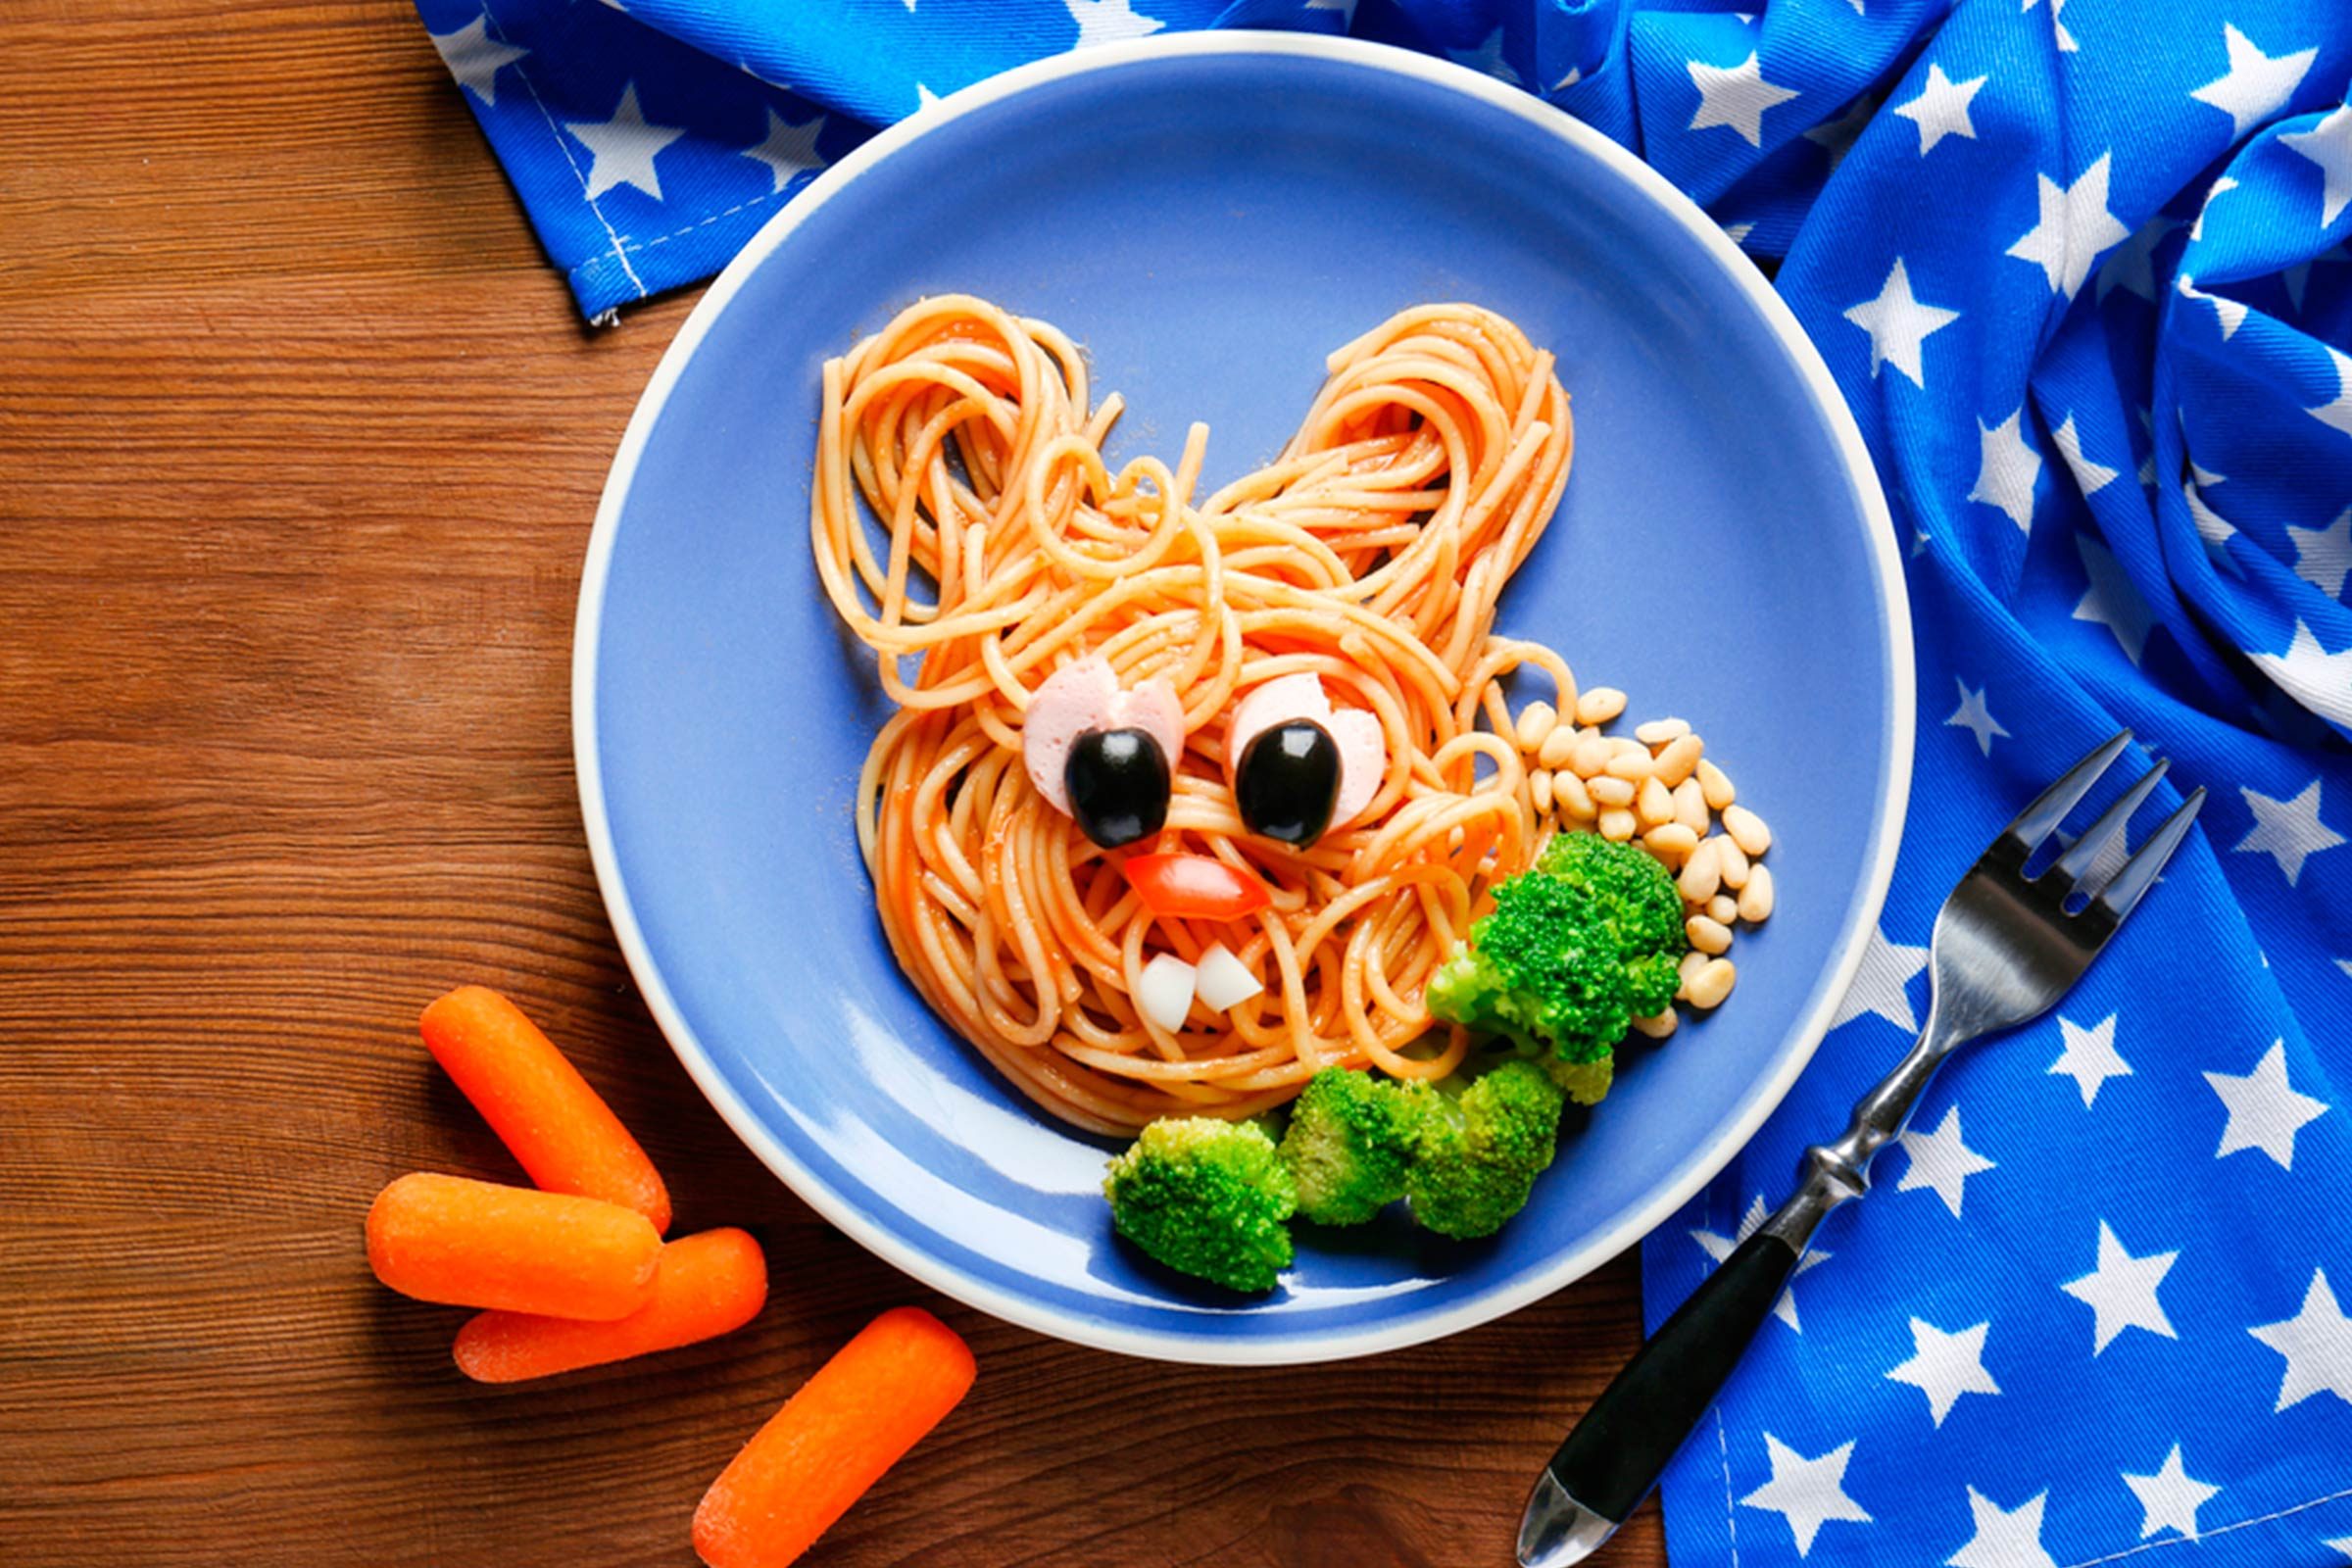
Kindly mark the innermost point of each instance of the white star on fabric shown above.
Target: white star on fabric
(1808, 1493)
(2121, 1292)
(1718, 1246)
(2212, 528)
(1737, 97)
(2111, 600)
(1975, 717)
(1944, 1366)
(1837, 138)
(1576, 73)
(2131, 266)
(1941, 109)
(924, 97)
(2003, 1539)
(1898, 323)
(2337, 412)
(2232, 311)
(790, 151)
(2089, 477)
(1940, 1161)
(2006, 468)
(2289, 832)
(2320, 680)
(1107, 21)
(1881, 984)
(2170, 1498)
(2220, 186)
(476, 59)
(2089, 1057)
(2074, 227)
(2066, 39)
(2265, 1110)
(2343, 1543)
(621, 149)
(1487, 58)
(2324, 555)
(2256, 86)
(2316, 1342)
(2328, 144)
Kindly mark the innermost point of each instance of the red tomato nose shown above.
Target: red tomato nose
(1194, 887)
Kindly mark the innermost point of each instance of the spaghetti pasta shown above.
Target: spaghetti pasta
(1371, 553)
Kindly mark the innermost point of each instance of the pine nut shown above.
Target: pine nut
(1679, 758)
(1718, 786)
(1755, 900)
(1687, 971)
(1654, 803)
(1617, 824)
(1536, 722)
(1722, 906)
(1658, 731)
(1747, 830)
(1670, 842)
(1659, 1025)
(1599, 705)
(1732, 861)
(1712, 984)
(1613, 791)
(1591, 754)
(1636, 764)
(1701, 874)
(1569, 794)
(1557, 747)
(1707, 935)
(1538, 785)
(1690, 807)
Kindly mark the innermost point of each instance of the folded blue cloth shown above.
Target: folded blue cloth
(2079, 265)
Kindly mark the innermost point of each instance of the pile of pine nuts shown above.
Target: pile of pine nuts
(1659, 788)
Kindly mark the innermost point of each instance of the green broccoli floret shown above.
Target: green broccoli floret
(1208, 1197)
(1585, 1082)
(1544, 968)
(1637, 898)
(1476, 1158)
(1350, 1137)
(1574, 951)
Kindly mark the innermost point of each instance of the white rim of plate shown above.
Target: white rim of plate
(1207, 1350)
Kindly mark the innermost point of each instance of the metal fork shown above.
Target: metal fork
(2006, 948)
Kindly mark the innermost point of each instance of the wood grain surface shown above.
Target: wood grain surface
(299, 444)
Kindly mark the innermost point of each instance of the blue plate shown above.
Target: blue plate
(1209, 215)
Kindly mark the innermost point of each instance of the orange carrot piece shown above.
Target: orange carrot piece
(833, 1439)
(474, 1244)
(537, 1102)
(707, 1285)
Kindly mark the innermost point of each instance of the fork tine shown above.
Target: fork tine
(2139, 874)
(2076, 862)
(2038, 820)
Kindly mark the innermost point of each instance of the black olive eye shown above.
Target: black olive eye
(1118, 785)
(1288, 781)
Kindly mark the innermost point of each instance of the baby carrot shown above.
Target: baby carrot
(472, 1244)
(537, 1102)
(707, 1285)
(833, 1439)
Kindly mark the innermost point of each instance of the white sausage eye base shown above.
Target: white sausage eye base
(1363, 746)
(1085, 695)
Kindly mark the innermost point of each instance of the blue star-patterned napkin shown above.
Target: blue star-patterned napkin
(2079, 266)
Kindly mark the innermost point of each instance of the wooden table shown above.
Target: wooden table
(299, 444)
